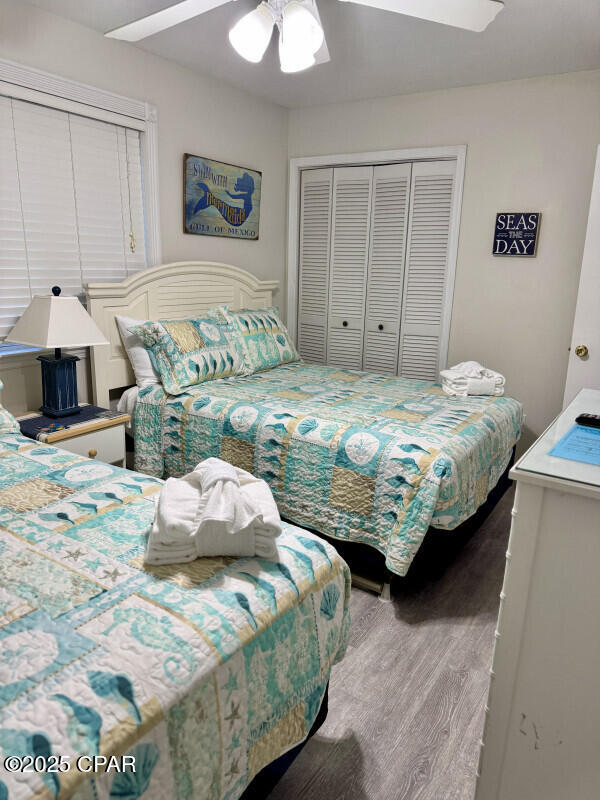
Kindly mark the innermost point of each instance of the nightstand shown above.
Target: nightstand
(94, 432)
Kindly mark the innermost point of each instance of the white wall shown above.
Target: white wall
(196, 114)
(531, 146)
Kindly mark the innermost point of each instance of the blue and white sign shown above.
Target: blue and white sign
(220, 199)
(516, 233)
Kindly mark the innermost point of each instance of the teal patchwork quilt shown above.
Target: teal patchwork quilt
(201, 673)
(353, 455)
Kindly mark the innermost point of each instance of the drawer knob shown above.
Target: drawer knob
(380, 326)
(92, 453)
(345, 323)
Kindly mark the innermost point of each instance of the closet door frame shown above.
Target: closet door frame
(457, 153)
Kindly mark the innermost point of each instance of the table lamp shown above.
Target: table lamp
(52, 321)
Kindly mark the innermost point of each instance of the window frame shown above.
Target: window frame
(20, 82)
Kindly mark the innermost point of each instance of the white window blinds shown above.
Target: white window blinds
(71, 204)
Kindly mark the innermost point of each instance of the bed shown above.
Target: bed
(355, 456)
(203, 672)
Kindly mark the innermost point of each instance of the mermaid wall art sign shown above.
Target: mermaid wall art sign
(220, 199)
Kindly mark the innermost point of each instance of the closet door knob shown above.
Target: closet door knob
(380, 326)
(345, 323)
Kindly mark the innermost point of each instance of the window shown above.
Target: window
(78, 188)
(70, 203)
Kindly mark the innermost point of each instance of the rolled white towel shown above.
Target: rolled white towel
(471, 378)
(473, 386)
(482, 386)
(216, 510)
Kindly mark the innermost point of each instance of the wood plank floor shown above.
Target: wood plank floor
(406, 704)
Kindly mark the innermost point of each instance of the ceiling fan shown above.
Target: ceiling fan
(301, 38)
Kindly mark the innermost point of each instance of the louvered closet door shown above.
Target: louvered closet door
(315, 226)
(423, 307)
(385, 277)
(348, 272)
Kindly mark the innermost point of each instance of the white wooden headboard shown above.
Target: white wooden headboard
(170, 291)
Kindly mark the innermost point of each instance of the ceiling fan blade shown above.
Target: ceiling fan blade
(474, 15)
(161, 20)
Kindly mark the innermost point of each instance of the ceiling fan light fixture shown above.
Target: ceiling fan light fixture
(299, 28)
(251, 35)
(294, 59)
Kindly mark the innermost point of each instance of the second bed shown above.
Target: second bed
(357, 456)
(353, 455)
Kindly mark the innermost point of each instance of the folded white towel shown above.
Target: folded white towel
(471, 378)
(482, 386)
(216, 510)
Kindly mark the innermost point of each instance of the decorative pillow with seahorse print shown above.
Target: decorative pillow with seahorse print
(265, 338)
(186, 352)
(8, 424)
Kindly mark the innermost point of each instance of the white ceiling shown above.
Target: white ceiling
(373, 53)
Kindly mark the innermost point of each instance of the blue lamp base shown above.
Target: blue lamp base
(59, 385)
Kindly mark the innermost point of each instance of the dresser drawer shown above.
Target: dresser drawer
(106, 445)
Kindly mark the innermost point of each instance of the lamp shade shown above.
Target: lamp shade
(53, 321)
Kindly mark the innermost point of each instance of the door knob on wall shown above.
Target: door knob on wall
(581, 351)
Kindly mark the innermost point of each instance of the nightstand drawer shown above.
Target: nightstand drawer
(107, 444)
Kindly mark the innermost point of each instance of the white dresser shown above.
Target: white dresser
(542, 733)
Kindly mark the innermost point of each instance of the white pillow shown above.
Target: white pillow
(145, 374)
(8, 424)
